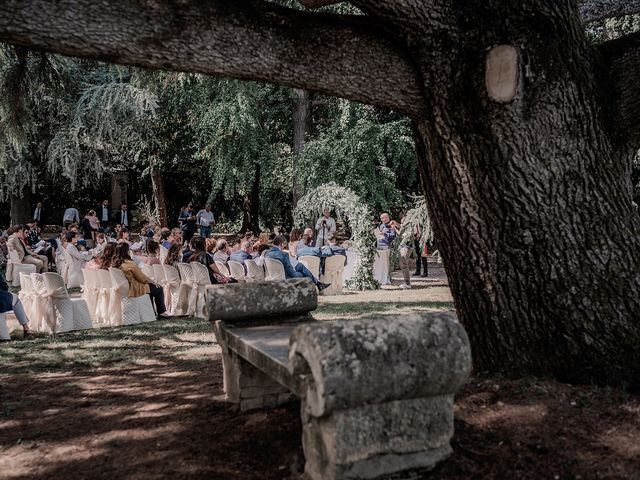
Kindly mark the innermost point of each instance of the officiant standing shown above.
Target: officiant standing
(325, 228)
(385, 234)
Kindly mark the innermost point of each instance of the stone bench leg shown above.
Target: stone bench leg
(248, 387)
(373, 440)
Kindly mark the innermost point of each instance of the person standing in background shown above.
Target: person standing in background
(326, 227)
(104, 214)
(38, 214)
(205, 220)
(386, 234)
(71, 215)
(187, 221)
(122, 217)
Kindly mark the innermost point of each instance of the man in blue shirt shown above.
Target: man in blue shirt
(243, 254)
(300, 270)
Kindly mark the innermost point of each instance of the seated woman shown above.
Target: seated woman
(139, 283)
(152, 253)
(222, 251)
(263, 239)
(200, 255)
(174, 255)
(294, 238)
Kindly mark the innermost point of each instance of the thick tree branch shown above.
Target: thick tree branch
(346, 56)
(623, 63)
(318, 3)
(594, 10)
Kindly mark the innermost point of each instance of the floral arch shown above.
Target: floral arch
(350, 208)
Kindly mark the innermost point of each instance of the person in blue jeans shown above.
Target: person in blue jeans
(8, 302)
(299, 271)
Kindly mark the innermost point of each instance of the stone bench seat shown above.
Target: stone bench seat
(376, 394)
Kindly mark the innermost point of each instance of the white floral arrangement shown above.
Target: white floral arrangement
(348, 207)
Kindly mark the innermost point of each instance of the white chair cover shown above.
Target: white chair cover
(163, 253)
(333, 268)
(189, 285)
(29, 299)
(237, 271)
(312, 263)
(173, 291)
(275, 270)
(14, 267)
(4, 329)
(134, 309)
(224, 270)
(201, 276)
(61, 263)
(149, 272)
(80, 313)
(108, 307)
(255, 273)
(74, 270)
(58, 310)
(90, 291)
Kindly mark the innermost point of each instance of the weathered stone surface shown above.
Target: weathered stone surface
(258, 301)
(374, 440)
(362, 362)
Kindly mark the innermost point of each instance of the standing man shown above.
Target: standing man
(187, 221)
(104, 214)
(326, 227)
(122, 217)
(71, 215)
(38, 215)
(205, 220)
(386, 234)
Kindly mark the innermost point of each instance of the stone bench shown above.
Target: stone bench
(376, 394)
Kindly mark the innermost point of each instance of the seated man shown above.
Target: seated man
(336, 250)
(17, 242)
(243, 254)
(306, 248)
(300, 270)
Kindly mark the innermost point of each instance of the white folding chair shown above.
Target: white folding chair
(255, 273)
(32, 303)
(108, 306)
(63, 313)
(90, 291)
(201, 276)
(333, 268)
(15, 266)
(224, 270)
(237, 270)
(134, 309)
(275, 270)
(174, 291)
(163, 253)
(312, 263)
(149, 272)
(189, 286)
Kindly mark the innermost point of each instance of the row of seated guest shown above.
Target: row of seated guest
(17, 241)
(197, 253)
(276, 253)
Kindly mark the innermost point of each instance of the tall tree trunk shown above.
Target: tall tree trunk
(536, 225)
(20, 207)
(251, 206)
(301, 127)
(157, 184)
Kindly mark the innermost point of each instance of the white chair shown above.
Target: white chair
(64, 312)
(237, 270)
(255, 273)
(275, 270)
(108, 305)
(73, 276)
(174, 292)
(163, 253)
(46, 320)
(15, 267)
(61, 263)
(224, 270)
(90, 291)
(201, 276)
(312, 263)
(333, 268)
(189, 286)
(32, 303)
(149, 272)
(134, 309)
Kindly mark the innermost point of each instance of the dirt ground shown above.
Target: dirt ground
(146, 402)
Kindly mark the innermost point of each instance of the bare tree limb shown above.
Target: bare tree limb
(318, 3)
(346, 56)
(623, 62)
(594, 10)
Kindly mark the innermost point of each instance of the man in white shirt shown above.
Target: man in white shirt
(37, 213)
(326, 227)
(104, 214)
(71, 215)
(205, 220)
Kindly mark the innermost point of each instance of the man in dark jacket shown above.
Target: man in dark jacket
(11, 302)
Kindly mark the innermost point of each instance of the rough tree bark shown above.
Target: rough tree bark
(525, 149)
(301, 127)
(157, 185)
(251, 206)
(20, 207)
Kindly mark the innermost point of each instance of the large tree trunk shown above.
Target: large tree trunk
(301, 127)
(251, 206)
(157, 184)
(530, 199)
(20, 206)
